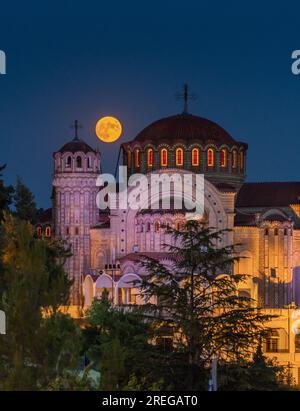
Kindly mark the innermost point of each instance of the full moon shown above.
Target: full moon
(108, 129)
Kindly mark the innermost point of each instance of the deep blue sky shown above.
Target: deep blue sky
(69, 59)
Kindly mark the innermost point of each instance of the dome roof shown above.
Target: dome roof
(184, 127)
(276, 217)
(76, 145)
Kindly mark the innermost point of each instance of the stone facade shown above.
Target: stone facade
(74, 205)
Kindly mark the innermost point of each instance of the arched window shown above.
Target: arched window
(266, 231)
(129, 158)
(157, 226)
(241, 161)
(148, 227)
(39, 231)
(244, 293)
(234, 159)
(68, 162)
(48, 232)
(179, 157)
(89, 162)
(223, 161)
(210, 157)
(150, 157)
(164, 157)
(137, 157)
(195, 157)
(78, 162)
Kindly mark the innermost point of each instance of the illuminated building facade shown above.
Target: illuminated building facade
(263, 217)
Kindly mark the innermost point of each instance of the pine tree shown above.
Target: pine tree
(24, 203)
(259, 374)
(264, 372)
(200, 304)
(5, 194)
(118, 345)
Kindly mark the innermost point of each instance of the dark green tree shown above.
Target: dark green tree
(39, 342)
(61, 339)
(59, 285)
(71, 382)
(24, 203)
(259, 374)
(118, 345)
(200, 304)
(6, 193)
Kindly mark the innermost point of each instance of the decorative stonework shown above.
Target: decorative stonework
(75, 210)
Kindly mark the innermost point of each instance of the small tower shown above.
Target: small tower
(76, 167)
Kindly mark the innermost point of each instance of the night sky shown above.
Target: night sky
(71, 60)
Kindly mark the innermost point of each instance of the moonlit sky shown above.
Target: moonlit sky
(71, 60)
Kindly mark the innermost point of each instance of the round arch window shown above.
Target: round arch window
(179, 157)
(78, 162)
(164, 157)
(210, 157)
(195, 157)
(150, 157)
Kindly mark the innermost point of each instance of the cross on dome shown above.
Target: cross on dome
(76, 126)
(186, 95)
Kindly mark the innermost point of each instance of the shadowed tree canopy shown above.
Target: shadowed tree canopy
(119, 346)
(260, 374)
(24, 203)
(197, 300)
(40, 342)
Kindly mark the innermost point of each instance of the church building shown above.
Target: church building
(264, 218)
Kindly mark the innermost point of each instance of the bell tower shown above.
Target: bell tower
(76, 167)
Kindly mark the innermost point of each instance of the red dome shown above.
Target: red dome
(184, 127)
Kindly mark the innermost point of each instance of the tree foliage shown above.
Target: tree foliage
(190, 301)
(6, 193)
(200, 304)
(39, 342)
(259, 374)
(119, 345)
(24, 203)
